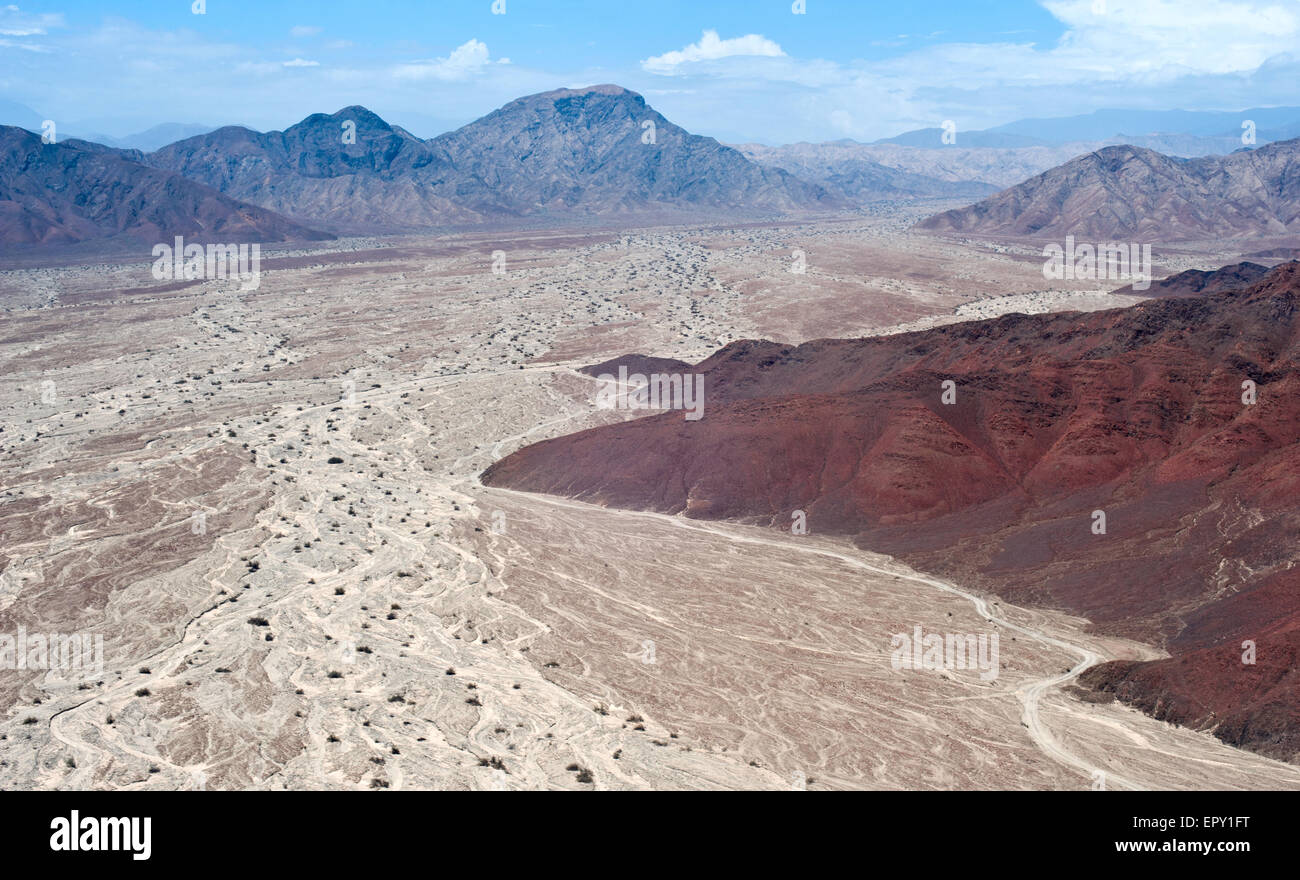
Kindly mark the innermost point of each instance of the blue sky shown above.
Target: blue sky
(738, 71)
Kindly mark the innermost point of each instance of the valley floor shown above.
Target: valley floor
(266, 502)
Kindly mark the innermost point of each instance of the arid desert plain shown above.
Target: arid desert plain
(268, 501)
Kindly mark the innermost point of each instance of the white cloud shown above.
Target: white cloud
(304, 30)
(1208, 54)
(1146, 36)
(16, 23)
(30, 47)
(711, 47)
(1161, 54)
(466, 59)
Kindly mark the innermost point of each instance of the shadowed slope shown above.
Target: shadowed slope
(1131, 192)
(76, 191)
(1136, 412)
(566, 154)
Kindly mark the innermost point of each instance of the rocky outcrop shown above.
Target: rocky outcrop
(1138, 415)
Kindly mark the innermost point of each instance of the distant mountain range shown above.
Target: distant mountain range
(22, 116)
(601, 153)
(977, 161)
(850, 172)
(1132, 193)
(1009, 154)
(1202, 132)
(566, 156)
(384, 180)
(598, 152)
(967, 169)
(1136, 412)
(70, 192)
(153, 138)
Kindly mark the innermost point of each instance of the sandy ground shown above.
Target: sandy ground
(265, 502)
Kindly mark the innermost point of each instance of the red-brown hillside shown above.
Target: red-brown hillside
(1198, 282)
(1137, 412)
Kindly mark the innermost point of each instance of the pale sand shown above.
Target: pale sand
(771, 662)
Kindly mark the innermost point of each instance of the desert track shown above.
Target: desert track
(772, 653)
(1029, 694)
(1062, 730)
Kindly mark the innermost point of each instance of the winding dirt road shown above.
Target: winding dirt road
(1030, 694)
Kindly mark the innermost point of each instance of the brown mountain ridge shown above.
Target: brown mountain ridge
(565, 155)
(1132, 193)
(64, 193)
(1137, 412)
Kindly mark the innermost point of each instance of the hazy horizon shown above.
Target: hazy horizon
(739, 74)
